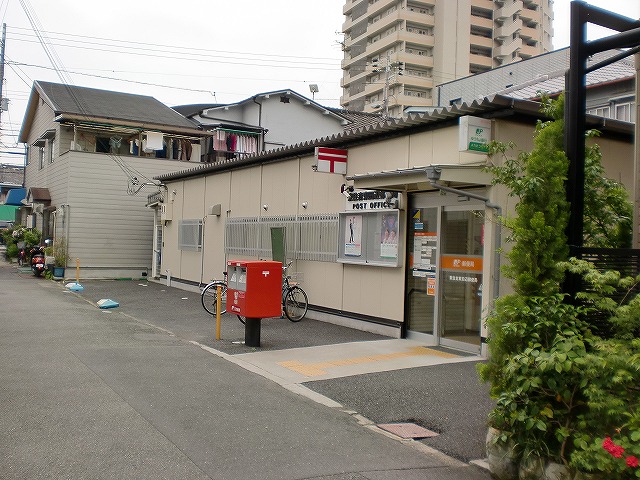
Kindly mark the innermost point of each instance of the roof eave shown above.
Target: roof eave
(29, 115)
(73, 118)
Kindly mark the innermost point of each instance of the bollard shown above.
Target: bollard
(252, 332)
(77, 270)
(218, 306)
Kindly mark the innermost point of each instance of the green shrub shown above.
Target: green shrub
(561, 391)
(12, 251)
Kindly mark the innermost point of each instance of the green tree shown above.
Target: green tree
(540, 347)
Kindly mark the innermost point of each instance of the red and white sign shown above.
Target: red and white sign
(331, 160)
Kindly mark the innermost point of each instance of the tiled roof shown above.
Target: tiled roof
(358, 119)
(91, 102)
(495, 104)
(195, 109)
(10, 174)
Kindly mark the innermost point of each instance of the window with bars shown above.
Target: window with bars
(190, 235)
(308, 237)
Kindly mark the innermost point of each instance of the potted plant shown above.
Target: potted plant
(59, 257)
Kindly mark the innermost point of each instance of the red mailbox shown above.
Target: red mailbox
(254, 288)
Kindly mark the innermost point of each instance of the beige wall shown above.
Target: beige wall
(284, 186)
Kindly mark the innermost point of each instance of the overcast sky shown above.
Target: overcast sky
(194, 51)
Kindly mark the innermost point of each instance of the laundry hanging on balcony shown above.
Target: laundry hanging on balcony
(154, 141)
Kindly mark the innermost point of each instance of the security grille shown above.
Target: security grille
(190, 235)
(308, 237)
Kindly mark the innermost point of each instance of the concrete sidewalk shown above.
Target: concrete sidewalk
(384, 380)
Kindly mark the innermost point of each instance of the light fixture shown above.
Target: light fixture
(346, 190)
(305, 204)
(265, 207)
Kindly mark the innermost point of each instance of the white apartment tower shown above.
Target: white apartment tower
(397, 51)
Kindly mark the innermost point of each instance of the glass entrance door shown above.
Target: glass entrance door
(421, 277)
(443, 301)
(462, 241)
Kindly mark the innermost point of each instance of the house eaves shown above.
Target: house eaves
(288, 92)
(93, 122)
(69, 102)
(490, 107)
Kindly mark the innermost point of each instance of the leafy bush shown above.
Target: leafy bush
(561, 390)
(12, 251)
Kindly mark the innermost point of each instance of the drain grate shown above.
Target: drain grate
(407, 430)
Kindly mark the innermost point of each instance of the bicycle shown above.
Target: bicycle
(295, 302)
(209, 297)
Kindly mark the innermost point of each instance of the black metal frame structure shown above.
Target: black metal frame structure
(575, 103)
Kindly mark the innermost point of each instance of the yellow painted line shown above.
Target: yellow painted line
(317, 369)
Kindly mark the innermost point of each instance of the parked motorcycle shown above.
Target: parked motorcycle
(37, 261)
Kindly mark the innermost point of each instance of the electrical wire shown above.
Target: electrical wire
(115, 78)
(183, 53)
(188, 49)
(44, 41)
(134, 184)
(205, 59)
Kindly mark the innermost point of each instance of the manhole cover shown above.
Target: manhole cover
(407, 430)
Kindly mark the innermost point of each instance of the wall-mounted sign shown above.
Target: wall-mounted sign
(331, 160)
(474, 134)
(461, 263)
(371, 200)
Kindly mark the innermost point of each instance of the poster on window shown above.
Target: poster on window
(389, 236)
(353, 236)
(425, 245)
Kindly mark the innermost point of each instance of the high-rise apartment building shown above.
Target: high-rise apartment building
(397, 51)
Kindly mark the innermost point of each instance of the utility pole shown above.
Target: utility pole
(4, 37)
(385, 92)
(388, 68)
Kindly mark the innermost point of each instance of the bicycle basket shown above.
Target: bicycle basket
(296, 278)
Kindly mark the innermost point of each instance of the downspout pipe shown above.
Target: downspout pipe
(259, 121)
(433, 174)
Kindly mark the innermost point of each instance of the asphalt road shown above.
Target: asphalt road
(123, 393)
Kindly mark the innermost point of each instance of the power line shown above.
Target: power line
(201, 58)
(185, 54)
(132, 45)
(114, 78)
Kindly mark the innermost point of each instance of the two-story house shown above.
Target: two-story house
(267, 121)
(91, 158)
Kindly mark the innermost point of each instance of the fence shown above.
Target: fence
(624, 260)
(308, 237)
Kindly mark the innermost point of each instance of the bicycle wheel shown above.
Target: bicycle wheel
(209, 297)
(296, 304)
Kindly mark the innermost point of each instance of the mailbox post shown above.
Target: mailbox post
(254, 290)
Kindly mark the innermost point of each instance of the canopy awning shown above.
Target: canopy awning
(419, 178)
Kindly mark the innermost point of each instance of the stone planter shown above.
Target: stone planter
(557, 471)
(504, 463)
(501, 457)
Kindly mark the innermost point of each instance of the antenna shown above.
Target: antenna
(313, 88)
